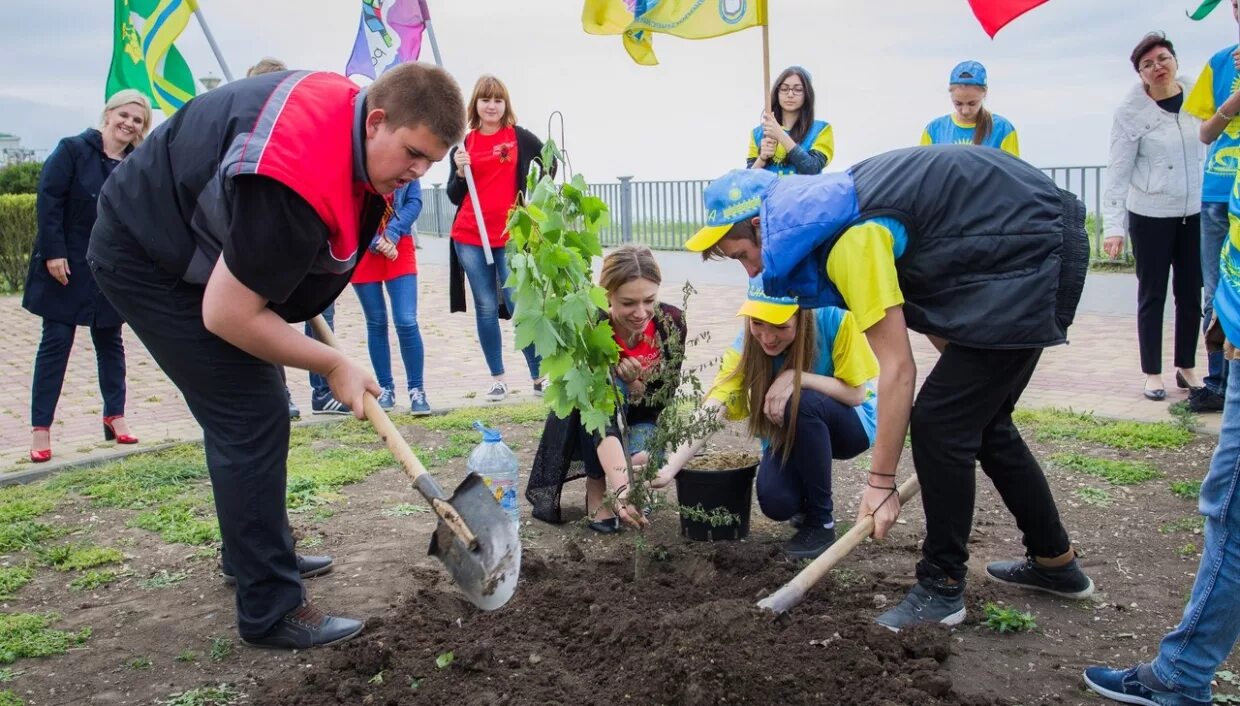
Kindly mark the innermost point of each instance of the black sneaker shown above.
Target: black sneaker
(307, 627)
(307, 566)
(1067, 581)
(1203, 399)
(293, 412)
(326, 403)
(927, 602)
(809, 542)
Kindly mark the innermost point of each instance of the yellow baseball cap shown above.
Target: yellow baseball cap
(759, 305)
(730, 199)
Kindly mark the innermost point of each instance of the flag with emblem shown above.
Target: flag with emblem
(144, 54)
(390, 33)
(638, 20)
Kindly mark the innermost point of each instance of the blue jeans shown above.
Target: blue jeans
(484, 281)
(1191, 652)
(826, 429)
(404, 294)
(318, 383)
(1214, 226)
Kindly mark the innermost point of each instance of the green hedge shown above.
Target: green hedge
(20, 178)
(18, 226)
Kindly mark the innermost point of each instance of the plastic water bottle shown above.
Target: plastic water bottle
(497, 464)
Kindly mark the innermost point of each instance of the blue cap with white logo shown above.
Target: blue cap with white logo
(730, 199)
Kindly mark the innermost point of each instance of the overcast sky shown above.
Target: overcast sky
(879, 67)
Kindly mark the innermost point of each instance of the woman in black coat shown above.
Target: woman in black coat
(59, 285)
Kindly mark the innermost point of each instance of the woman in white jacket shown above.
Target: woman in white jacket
(1154, 193)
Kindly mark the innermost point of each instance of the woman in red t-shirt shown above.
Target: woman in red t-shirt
(499, 153)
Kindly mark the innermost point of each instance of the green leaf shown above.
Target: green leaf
(577, 387)
(555, 366)
(576, 310)
(535, 212)
(594, 421)
(546, 341)
(598, 295)
(444, 659)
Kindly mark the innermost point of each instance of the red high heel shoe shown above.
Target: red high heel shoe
(41, 455)
(109, 433)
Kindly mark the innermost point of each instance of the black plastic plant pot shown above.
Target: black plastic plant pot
(730, 491)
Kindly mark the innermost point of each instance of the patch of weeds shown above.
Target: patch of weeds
(1112, 471)
(1187, 489)
(348, 432)
(847, 578)
(25, 534)
(12, 578)
(314, 474)
(139, 663)
(164, 580)
(30, 635)
(91, 580)
(459, 445)
(311, 542)
(303, 494)
(75, 557)
(183, 521)
(1188, 550)
(1093, 496)
(221, 648)
(26, 502)
(404, 510)
(8, 698)
(187, 656)
(221, 695)
(1192, 523)
(8, 675)
(1007, 619)
(463, 419)
(1057, 424)
(140, 481)
(1183, 416)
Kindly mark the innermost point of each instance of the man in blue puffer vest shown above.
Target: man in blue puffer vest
(982, 253)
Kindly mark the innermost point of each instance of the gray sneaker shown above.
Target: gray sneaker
(924, 604)
(1067, 581)
(497, 393)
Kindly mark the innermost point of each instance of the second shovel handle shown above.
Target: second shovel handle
(398, 446)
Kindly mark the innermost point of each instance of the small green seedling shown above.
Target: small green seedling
(1004, 620)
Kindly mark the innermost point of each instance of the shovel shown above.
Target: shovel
(475, 538)
(793, 592)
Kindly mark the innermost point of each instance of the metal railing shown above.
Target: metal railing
(663, 214)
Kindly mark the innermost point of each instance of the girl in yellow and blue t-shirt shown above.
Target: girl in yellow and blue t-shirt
(790, 140)
(970, 123)
(801, 377)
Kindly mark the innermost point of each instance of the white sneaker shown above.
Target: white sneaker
(497, 393)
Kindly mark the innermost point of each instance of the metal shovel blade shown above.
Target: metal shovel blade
(487, 574)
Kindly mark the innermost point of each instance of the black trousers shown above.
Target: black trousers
(962, 415)
(239, 401)
(1160, 246)
(53, 358)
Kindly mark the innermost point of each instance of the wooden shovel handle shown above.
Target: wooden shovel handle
(399, 448)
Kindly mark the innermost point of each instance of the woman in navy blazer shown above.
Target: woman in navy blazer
(60, 287)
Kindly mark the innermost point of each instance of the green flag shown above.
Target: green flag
(1206, 7)
(131, 48)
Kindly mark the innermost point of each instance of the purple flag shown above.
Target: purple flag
(390, 32)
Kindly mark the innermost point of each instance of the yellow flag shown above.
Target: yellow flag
(639, 20)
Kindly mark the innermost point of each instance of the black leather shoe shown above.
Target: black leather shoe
(609, 526)
(307, 566)
(307, 627)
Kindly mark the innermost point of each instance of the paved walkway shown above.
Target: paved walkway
(1097, 372)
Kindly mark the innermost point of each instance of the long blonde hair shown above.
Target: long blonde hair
(129, 95)
(755, 367)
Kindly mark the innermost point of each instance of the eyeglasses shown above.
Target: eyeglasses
(1162, 60)
(794, 90)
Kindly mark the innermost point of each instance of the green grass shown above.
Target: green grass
(30, 635)
(187, 655)
(91, 580)
(25, 534)
(1187, 489)
(1188, 550)
(13, 578)
(315, 474)
(138, 482)
(221, 648)
(221, 695)
(1192, 523)
(26, 502)
(1093, 496)
(164, 580)
(8, 698)
(187, 520)
(404, 510)
(463, 419)
(1007, 619)
(1060, 425)
(8, 674)
(75, 557)
(139, 663)
(1112, 471)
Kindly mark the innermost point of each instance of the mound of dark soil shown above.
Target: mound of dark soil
(584, 632)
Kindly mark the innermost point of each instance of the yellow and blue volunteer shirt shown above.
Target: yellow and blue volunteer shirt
(1218, 80)
(946, 130)
(862, 267)
(842, 352)
(1227, 296)
(820, 138)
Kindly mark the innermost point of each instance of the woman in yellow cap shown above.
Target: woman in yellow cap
(801, 379)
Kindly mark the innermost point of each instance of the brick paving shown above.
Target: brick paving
(1097, 372)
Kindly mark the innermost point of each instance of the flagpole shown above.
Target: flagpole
(202, 22)
(766, 66)
(430, 34)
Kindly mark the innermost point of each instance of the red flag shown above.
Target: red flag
(995, 14)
